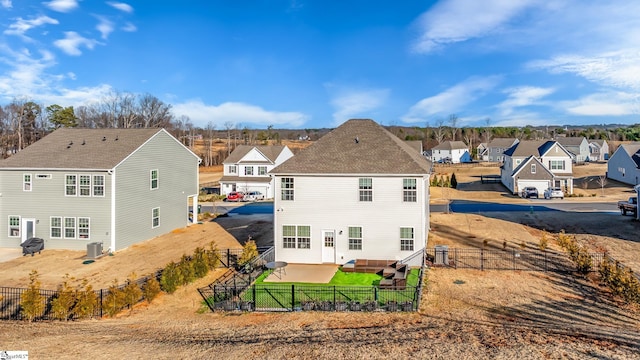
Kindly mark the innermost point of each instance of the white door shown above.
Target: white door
(28, 229)
(329, 246)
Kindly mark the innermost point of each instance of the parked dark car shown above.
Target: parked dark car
(530, 192)
(210, 190)
(234, 196)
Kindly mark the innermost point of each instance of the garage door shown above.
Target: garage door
(541, 185)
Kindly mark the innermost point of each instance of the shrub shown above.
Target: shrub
(132, 292)
(114, 302)
(187, 271)
(213, 258)
(200, 261)
(32, 303)
(544, 241)
(249, 252)
(171, 278)
(454, 181)
(151, 289)
(446, 182)
(62, 305)
(86, 301)
(621, 281)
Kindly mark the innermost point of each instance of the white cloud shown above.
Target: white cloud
(72, 42)
(129, 27)
(121, 6)
(350, 103)
(201, 114)
(459, 20)
(104, 26)
(452, 100)
(6, 4)
(62, 5)
(602, 104)
(522, 96)
(619, 69)
(21, 26)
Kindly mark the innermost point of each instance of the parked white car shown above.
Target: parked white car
(553, 192)
(253, 196)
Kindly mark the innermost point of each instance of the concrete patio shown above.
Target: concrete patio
(318, 274)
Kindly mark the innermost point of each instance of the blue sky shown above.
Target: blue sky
(314, 64)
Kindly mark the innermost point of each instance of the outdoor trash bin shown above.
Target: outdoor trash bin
(32, 245)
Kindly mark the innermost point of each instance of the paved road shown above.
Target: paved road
(463, 206)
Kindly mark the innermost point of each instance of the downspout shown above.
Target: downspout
(112, 231)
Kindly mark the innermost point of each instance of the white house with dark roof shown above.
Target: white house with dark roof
(539, 164)
(624, 164)
(111, 186)
(247, 168)
(598, 150)
(359, 192)
(577, 146)
(451, 151)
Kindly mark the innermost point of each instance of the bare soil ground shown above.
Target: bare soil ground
(465, 314)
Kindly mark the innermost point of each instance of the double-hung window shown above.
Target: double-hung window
(85, 185)
(71, 185)
(556, 164)
(409, 190)
(83, 228)
(533, 168)
(355, 238)
(288, 236)
(233, 169)
(248, 170)
(365, 187)
(155, 217)
(14, 226)
(262, 170)
(296, 236)
(98, 185)
(286, 188)
(154, 179)
(55, 227)
(26, 182)
(406, 239)
(69, 228)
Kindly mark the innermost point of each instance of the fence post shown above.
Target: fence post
(482, 259)
(255, 301)
(228, 258)
(293, 296)
(545, 260)
(455, 255)
(101, 298)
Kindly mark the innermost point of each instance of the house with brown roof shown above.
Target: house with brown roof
(359, 192)
(451, 152)
(247, 168)
(624, 164)
(539, 164)
(115, 187)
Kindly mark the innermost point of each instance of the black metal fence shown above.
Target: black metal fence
(511, 259)
(239, 292)
(10, 297)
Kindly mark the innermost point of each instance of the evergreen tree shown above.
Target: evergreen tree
(454, 181)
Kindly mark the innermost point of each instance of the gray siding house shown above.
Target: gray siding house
(598, 150)
(577, 146)
(624, 164)
(497, 147)
(113, 186)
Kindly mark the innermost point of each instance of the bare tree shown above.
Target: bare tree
(208, 158)
(154, 112)
(228, 126)
(602, 181)
(487, 130)
(439, 131)
(453, 121)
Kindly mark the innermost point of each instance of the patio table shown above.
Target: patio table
(277, 267)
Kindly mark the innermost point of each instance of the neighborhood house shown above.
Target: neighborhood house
(451, 152)
(115, 187)
(539, 164)
(359, 192)
(247, 168)
(624, 164)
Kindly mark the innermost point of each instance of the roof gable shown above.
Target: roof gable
(528, 160)
(81, 149)
(358, 146)
(269, 152)
(451, 145)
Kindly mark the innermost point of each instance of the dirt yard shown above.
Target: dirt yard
(465, 314)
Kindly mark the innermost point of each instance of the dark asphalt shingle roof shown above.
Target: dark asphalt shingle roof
(450, 145)
(80, 149)
(569, 141)
(358, 146)
(501, 142)
(270, 151)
